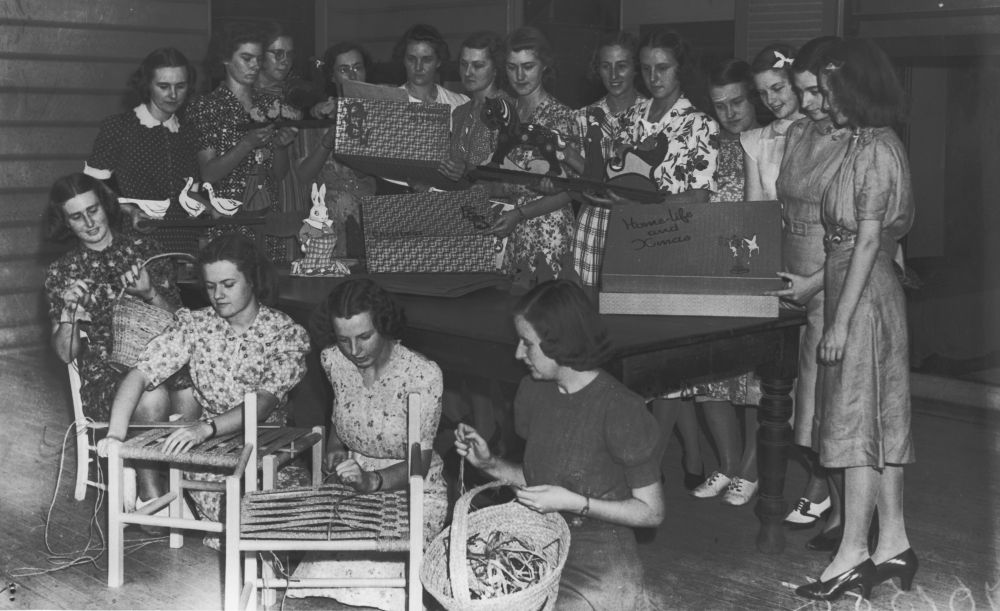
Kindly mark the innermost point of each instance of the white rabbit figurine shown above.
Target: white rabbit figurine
(318, 239)
(318, 223)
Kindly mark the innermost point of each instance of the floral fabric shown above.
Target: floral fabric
(548, 235)
(102, 271)
(693, 144)
(225, 364)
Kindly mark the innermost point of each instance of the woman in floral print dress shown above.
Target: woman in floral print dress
(237, 345)
(372, 375)
(537, 225)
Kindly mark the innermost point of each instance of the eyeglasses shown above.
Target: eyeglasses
(346, 69)
(281, 54)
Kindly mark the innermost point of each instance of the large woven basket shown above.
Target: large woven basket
(134, 322)
(442, 560)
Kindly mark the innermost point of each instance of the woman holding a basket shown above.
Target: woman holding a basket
(592, 453)
(84, 284)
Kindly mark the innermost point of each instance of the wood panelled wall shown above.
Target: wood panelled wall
(63, 67)
(377, 24)
(763, 22)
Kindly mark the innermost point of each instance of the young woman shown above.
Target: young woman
(239, 344)
(472, 142)
(83, 284)
(814, 150)
(423, 50)
(231, 154)
(593, 451)
(372, 374)
(764, 147)
(344, 61)
(730, 89)
(863, 420)
(148, 151)
(538, 226)
(615, 63)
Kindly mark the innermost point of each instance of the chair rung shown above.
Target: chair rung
(333, 582)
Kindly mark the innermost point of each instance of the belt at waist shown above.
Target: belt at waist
(804, 228)
(845, 240)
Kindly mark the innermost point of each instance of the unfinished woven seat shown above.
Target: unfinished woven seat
(235, 454)
(328, 517)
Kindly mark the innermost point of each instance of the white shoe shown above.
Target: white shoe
(713, 486)
(739, 492)
(805, 513)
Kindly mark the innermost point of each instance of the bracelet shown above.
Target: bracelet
(586, 508)
(211, 422)
(115, 437)
(378, 481)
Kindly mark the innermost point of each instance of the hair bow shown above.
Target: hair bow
(782, 61)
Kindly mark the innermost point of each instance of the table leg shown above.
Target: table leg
(774, 436)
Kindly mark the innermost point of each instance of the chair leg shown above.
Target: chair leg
(116, 528)
(317, 458)
(176, 507)
(82, 460)
(233, 579)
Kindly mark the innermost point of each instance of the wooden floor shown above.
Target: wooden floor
(703, 556)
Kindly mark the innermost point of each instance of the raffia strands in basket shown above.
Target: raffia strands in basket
(444, 570)
(329, 512)
(134, 322)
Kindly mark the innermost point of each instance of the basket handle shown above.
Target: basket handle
(457, 548)
(181, 255)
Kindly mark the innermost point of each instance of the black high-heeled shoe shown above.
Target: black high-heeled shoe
(692, 480)
(862, 576)
(903, 565)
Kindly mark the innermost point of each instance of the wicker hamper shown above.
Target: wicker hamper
(548, 532)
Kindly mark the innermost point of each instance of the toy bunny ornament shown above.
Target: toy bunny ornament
(318, 239)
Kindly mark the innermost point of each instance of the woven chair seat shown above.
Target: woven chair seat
(222, 451)
(327, 513)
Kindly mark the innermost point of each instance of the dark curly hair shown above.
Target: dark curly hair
(247, 258)
(226, 41)
(66, 188)
(778, 56)
(422, 32)
(529, 38)
(569, 327)
(330, 58)
(492, 43)
(358, 295)
(164, 57)
(863, 83)
(687, 61)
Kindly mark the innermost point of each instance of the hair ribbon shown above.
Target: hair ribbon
(782, 60)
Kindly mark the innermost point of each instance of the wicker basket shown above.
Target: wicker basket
(442, 559)
(134, 322)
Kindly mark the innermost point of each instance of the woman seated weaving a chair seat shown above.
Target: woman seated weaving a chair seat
(237, 344)
(372, 375)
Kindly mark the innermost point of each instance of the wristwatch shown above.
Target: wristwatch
(211, 422)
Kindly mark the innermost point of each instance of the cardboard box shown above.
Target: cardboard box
(711, 259)
(428, 232)
(404, 141)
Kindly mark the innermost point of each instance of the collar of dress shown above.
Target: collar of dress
(146, 119)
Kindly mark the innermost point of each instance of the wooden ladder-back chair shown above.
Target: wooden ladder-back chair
(266, 448)
(309, 519)
(86, 452)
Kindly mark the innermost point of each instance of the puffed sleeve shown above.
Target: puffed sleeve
(285, 366)
(703, 152)
(882, 177)
(750, 141)
(104, 158)
(634, 440)
(54, 284)
(166, 353)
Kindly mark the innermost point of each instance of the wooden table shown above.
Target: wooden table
(473, 335)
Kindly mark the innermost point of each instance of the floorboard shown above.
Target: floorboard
(702, 557)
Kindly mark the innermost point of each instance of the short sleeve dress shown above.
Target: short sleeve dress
(101, 269)
(693, 144)
(600, 442)
(548, 235)
(864, 416)
(814, 151)
(225, 365)
(372, 423)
